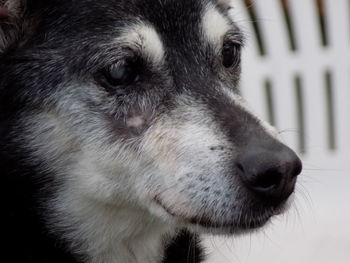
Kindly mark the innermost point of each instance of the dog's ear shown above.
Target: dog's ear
(11, 22)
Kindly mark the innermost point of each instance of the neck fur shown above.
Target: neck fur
(106, 234)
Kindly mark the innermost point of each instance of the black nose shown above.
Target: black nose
(270, 174)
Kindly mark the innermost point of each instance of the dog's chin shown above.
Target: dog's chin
(248, 221)
(251, 223)
(236, 226)
(227, 229)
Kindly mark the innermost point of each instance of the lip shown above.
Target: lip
(256, 221)
(232, 226)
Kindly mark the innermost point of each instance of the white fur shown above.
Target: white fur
(181, 146)
(95, 208)
(214, 25)
(108, 228)
(144, 38)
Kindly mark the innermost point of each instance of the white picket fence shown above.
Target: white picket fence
(300, 81)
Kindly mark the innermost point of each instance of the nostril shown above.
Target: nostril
(269, 174)
(259, 176)
(268, 180)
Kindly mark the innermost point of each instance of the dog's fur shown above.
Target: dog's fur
(99, 175)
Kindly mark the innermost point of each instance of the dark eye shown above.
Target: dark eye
(231, 55)
(121, 73)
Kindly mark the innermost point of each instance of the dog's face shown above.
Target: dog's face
(134, 103)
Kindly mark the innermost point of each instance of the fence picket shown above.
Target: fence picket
(311, 69)
(251, 84)
(275, 33)
(337, 14)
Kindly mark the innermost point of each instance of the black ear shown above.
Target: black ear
(11, 22)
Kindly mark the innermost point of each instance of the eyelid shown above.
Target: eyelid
(113, 55)
(234, 36)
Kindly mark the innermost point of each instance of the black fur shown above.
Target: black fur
(56, 30)
(185, 248)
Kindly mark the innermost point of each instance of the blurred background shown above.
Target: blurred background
(296, 75)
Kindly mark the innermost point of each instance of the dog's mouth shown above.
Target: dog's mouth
(231, 227)
(246, 221)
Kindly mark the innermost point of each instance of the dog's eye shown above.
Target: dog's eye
(121, 73)
(231, 55)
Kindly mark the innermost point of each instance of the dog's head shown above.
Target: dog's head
(134, 103)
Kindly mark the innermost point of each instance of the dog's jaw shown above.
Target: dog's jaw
(109, 233)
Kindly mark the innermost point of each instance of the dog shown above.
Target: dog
(123, 137)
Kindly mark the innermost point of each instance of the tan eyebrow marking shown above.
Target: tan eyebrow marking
(144, 38)
(215, 25)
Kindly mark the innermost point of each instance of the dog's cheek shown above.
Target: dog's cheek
(187, 164)
(131, 125)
